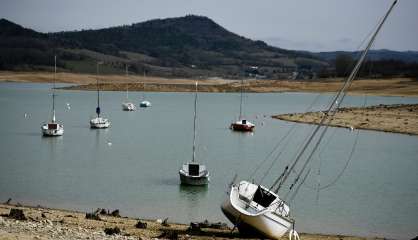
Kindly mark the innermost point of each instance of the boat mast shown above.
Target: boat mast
(97, 85)
(194, 125)
(53, 89)
(240, 105)
(330, 112)
(127, 85)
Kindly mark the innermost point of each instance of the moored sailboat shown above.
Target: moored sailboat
(128, 106)
(194, 173)
(256, 208)
(242, 125)
(53, 128)
(99, 122)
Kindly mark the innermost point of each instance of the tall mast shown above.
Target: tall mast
(331, 110)
(53, 89)
(97, 84)
(194, 124)
(127, 85)
(240, 105)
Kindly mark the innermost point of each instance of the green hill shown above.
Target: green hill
(189, 46)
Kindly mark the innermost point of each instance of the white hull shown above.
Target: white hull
(128, 106)
(99, 123)
(199, 179)
(272, 221)
(145, 104)
(53, 132)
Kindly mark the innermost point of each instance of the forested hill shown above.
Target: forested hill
(187, 46)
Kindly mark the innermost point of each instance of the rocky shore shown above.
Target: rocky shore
(398, 118)
(22, 222)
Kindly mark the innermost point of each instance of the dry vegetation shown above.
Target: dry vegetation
(383, 87)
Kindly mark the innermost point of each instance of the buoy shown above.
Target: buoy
(68, 106)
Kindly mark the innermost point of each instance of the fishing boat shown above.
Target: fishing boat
(99, 122)
(252, 207)
(242, 125)
(194, 173)
(128, 106)
(53, 128)
(144, 103)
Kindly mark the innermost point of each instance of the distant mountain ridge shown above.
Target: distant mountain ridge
(189, 46)
(375, 55)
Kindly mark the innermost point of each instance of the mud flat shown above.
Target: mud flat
(399, 118)
(381, 87)
(45, 223)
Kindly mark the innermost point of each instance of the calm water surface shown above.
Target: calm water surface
(133, 166)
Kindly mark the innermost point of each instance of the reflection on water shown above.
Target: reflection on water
(194, 196)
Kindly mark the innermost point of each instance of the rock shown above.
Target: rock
(159, 221)
(43, 215)
(141, 225)
(115, 213)
(112, 231)
(103, 211)
(93, 216)
(165, 223)
(194, 227)
(169, 234)
(17, 214)
(8, 201)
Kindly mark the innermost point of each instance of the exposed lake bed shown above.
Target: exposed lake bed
(82, 171)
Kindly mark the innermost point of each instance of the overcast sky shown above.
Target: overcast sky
(314, 25)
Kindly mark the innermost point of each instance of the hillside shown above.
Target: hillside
(189, 46)
(375, 55)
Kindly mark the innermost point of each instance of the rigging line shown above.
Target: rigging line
(335, 104)
(298, 187)
(293, 126)
(339, 175)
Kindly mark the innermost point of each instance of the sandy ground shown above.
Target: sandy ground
(383, 87)
(401, 118)
(45, 223)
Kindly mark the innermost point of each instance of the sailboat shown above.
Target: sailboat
(99, 122)
(242, 124)
(194, 173)
(144, 102)
(53, 128)
(256, 208)
(128, 106)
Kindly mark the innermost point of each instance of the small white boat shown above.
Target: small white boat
(53, 128)
(128, 106)
(99, 122)
(193, 173)
(255, 206)
(145, 104)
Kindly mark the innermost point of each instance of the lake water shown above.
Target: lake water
(138, 172)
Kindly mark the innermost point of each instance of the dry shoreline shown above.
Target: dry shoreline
(397, 118)
(381, 87)
(46, 223)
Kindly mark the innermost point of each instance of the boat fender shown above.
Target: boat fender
(293, 235)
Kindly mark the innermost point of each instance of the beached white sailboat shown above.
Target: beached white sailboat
(99, 122)
(194, 173)
(53, 128)
(128, 106)
(255, 208)
(242, 124)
